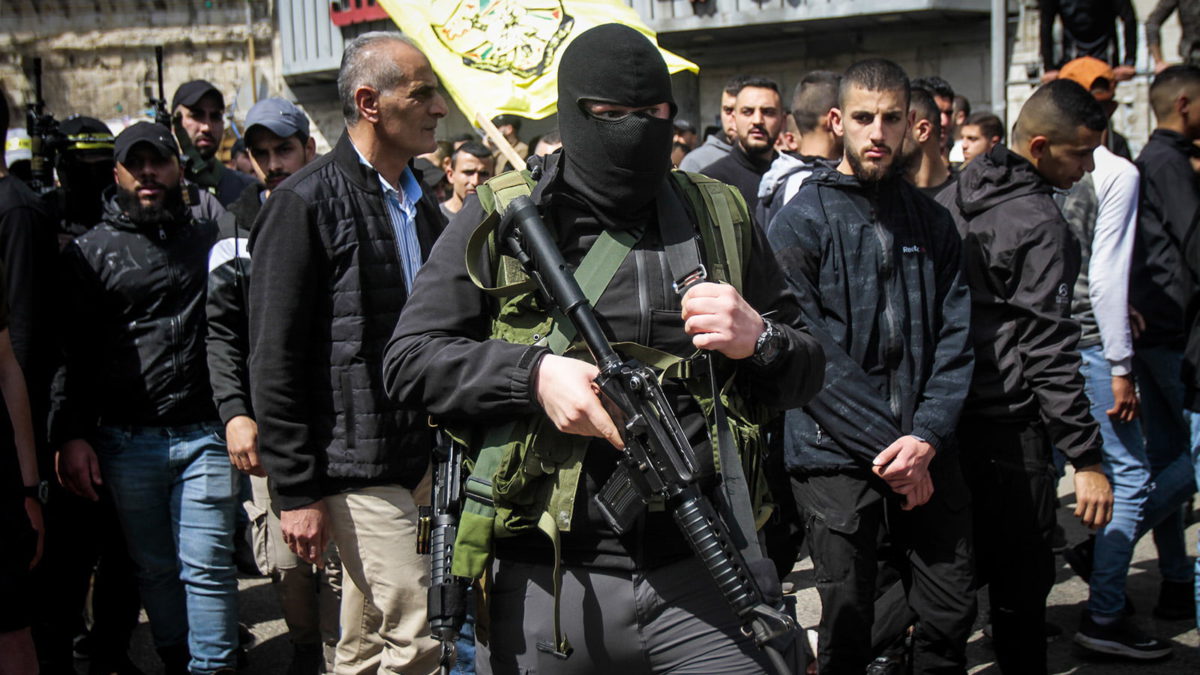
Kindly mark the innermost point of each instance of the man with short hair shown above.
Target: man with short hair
(874, 452)
(278, 145)
(1158, 289)
(197, 116)
(137, 406)
(815, 96)
(1102, 211)
(962, 110)
(943, 98)
(981, 132)
(336, 249)
(509, 126)
(720, 143)
(1027, 393)
(758, 120)
(470, 165)
(926, 166)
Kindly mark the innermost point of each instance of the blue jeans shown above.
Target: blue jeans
(176, 496)
(1128, 468)
(1195, 424)
(1161, 389)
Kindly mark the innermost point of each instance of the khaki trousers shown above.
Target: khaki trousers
(385, 628)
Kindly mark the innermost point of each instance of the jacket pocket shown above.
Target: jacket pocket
(348, 408)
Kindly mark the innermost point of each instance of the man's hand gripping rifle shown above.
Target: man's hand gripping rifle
(437, 529)
(658, 459)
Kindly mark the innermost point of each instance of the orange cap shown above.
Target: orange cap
(1085, 70)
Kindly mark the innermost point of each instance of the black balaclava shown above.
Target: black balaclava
(85, 168)
(617, 166)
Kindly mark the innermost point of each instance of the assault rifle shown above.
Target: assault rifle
(658, 459)
(45, 140)
(159, 105)
(436, 530)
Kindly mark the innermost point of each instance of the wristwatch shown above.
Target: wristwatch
(39, 491)
(769, 345)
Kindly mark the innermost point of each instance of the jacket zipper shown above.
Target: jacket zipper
(891, 324)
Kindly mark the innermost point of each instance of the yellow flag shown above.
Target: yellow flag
(501, 56)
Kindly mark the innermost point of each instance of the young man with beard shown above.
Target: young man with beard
(876, 266)
(470, 166)
(1027, 394)
(943, 100)
(137, 412)
(198, 116)
(279, 145)
(336, 249)
(720, 143)
(638, 602)
(925, 166)
(758, 119)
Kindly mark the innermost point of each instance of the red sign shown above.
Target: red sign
(348, 12)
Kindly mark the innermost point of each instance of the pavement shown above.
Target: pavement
(270, 652)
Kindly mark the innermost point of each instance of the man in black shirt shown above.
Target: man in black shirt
(924, 163)
(137, 412)
(198, 116)
(759, 118)
(637, 602)
(1026, 393)
(875, 264)
(1158, 288)
(1089, 28)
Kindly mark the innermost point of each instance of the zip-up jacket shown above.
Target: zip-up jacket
(1021, 262)
(877, 270)
(133, 325)
(1169, 200)
(327, 289)
(228, 337)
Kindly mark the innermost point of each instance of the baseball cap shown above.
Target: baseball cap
(189, 93)
(1085, 70)
(86, 134)
(277, 115)
(145, 132)
(17, 146)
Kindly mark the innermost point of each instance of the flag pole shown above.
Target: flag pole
(514, 160)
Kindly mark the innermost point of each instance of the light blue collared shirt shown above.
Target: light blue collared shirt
(401, 207)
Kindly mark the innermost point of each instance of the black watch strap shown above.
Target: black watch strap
(39, 491)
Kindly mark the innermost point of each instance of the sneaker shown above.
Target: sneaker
(885, 665)
(1176, 601)
(1120, 638)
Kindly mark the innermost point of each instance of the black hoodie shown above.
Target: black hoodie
(1021, 264)
(877, 270)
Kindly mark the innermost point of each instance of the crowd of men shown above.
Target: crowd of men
(906, 319)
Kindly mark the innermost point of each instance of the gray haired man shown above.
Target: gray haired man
(336, 248)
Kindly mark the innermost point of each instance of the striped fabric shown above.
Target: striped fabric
(401, 209)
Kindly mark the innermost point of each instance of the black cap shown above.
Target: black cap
(145, 132)
(86, 134)
(189, 93)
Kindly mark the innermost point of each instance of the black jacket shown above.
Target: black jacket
(29, 252)
(878, 274)
(133, 325)
(228, 337)
(1167, 208)
(441, 359)
(742, 172)
(1191, 356)
(1021, 263)
(327, 289)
